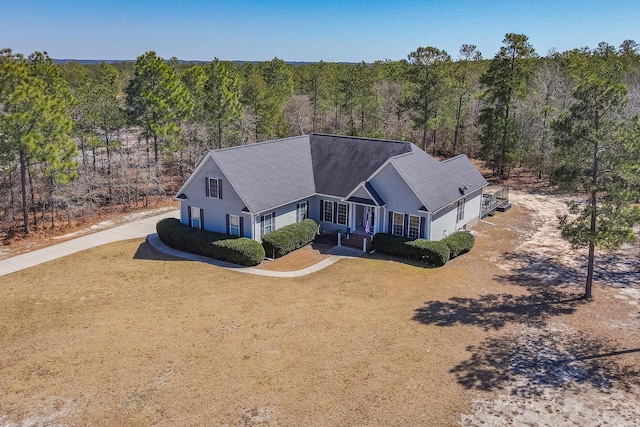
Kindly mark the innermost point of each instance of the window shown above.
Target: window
(461, 210)
(234, 225)
(195, 217)
(398, 224)
(302, 211)
(414, 227)
(268, 221)
(343, 213)
(327, 211)
(214, 188)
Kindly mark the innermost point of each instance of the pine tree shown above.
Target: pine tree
(34, 119)
(597, 154)
(505, 81)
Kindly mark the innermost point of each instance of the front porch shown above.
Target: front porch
(365, 219)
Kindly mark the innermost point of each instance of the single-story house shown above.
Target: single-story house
(361, 184)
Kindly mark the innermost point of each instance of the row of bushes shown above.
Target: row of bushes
(430, 252)
(248, 252)
(237, 250)
(289, 238)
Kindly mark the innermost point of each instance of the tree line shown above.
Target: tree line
(76, 137)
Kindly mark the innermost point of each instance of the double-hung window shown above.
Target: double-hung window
(414, 227)
(267, 223)
(461, 210)
(302, 211)
(327, 211)
(343, 213)
(234, 225)
(213, 187)
(195, 216)
(398, 224)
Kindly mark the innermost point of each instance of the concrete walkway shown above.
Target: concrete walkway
(132, 230)
(155, 241)
(147, 228)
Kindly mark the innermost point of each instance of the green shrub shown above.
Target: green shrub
(432, 253)
(289, 238)
(237, 250)
(459, 243)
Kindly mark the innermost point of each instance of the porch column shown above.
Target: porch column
(352, 217)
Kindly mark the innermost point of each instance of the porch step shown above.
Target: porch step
(504, 207)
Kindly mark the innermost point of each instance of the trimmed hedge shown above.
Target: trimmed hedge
(280, 242)
(459, 243)
(237, 250)
(433, 253)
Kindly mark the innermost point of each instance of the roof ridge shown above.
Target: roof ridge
(454, 157)
(256, 143)
(363, 138)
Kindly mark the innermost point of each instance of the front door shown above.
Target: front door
(369, 219)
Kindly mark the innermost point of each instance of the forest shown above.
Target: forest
(77, 138)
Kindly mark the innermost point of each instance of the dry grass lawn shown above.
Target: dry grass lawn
(123, 335)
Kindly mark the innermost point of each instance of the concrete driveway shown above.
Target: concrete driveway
(132, 230)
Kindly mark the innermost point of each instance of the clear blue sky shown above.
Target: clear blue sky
(352, 31)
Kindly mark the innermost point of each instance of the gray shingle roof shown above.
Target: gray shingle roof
(269, 174)
(273, 173)
(340, 163)
(438, 184)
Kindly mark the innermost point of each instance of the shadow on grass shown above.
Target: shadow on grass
(533, 358)
(536, 360)
(494, 311)
(147, 252)
(539, 271)
(408, 261)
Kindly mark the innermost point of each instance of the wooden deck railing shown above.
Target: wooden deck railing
(494, 199)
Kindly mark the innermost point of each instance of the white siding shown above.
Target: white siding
(362, 193)
(215, 210)
(471, 209)
(445, 221)
(395, 191)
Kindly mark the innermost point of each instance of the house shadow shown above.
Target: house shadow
(147, 252)
(529, 363)
(323, 243)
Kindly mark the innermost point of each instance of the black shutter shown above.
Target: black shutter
(321, 210)
(206, 186)
(189, 215)
(261, 225)
(241, 227)
(423, 222)
(219, 189)
(405, 225)
(201, 219)
(306, 209)
(390, 229)
(273, 221)
(297, 212)
(335, 212)
(227, 219)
